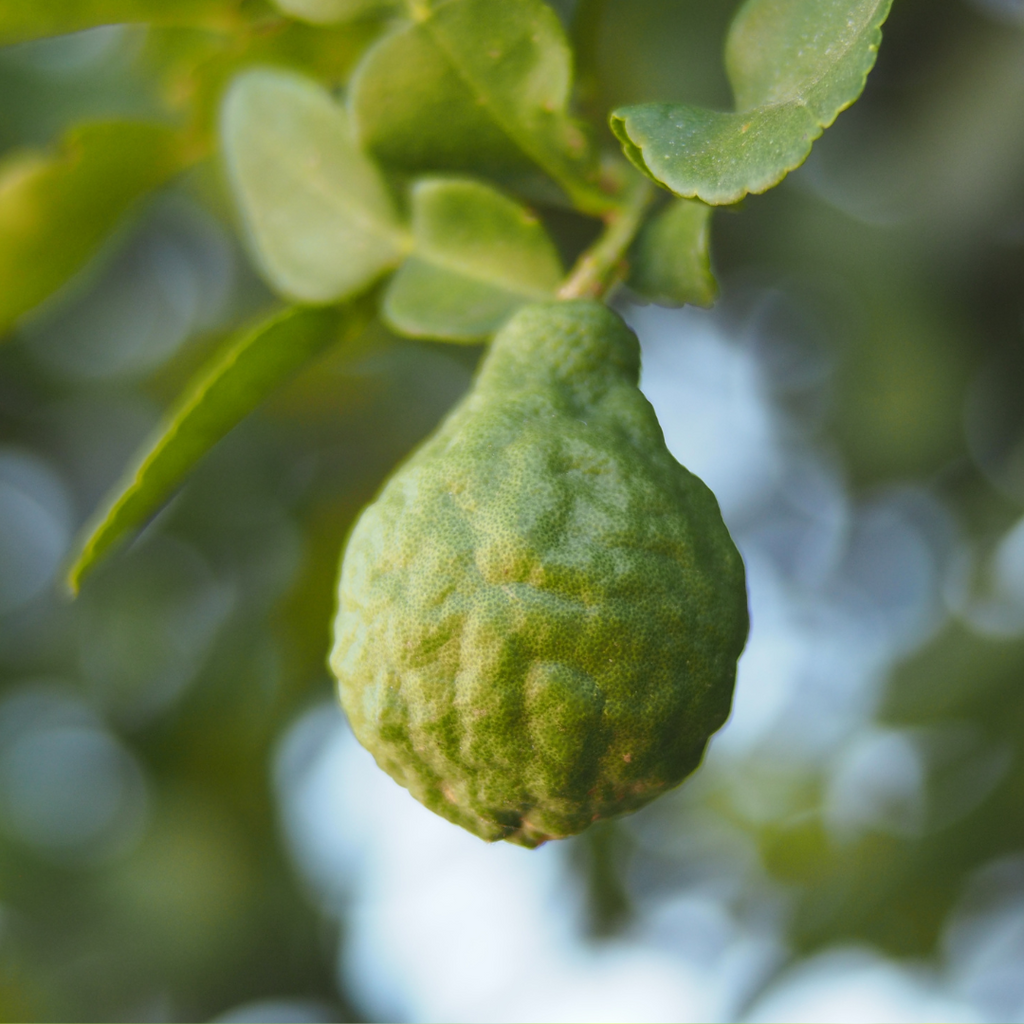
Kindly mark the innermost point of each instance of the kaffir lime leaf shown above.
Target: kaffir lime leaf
(540, 615)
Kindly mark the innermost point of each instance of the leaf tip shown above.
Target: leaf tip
(71, 584)
(80, 563)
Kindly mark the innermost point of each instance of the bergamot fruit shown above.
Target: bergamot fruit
(540, 615)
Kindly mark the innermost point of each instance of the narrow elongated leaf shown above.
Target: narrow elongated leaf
(55, 210)
(320, 219)
(248, 369)
(476, 86)
(21, 20)
(478, 257)
(330, 12)
(670, 263)
(794, 65)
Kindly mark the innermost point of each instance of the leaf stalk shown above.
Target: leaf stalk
(601, 267)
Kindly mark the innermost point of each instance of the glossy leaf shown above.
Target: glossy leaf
(670, 263)
(476, 86)
(319, 216)
(55, 210)
(330, 12)
(249, 368)
(793, 65)
(21, 20)
(478, 257)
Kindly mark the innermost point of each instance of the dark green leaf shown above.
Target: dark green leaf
(56, 209)
(670, 262)
(794, 65)
(319, 217)
(250, 367)
(478, 257)
(476, 86)
(21, 20)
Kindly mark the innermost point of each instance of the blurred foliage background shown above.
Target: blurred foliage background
(150, 864)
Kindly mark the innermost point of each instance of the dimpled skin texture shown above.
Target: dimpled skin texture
(540, 615)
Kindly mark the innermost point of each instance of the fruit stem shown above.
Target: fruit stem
(601, 268)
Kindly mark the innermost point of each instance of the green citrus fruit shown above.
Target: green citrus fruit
(540, 615)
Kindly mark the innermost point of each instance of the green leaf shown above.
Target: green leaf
(55, 210)
(476, 86)
(670, 263)
(794, 65)
(319, 217)
(21, 20)
(196, 68)
(248, 369)
(479, 256)
(330, 12)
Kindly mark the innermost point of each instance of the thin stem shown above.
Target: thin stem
(600, 268)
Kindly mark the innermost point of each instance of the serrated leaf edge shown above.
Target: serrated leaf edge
(816, 127)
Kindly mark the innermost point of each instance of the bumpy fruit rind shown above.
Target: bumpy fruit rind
(540, 615)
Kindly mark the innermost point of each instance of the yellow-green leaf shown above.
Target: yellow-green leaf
(331, 12)
(319, 217)
(478, 257)
(21, 20)
(56, 209)
(238, 379)
(480, 87)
